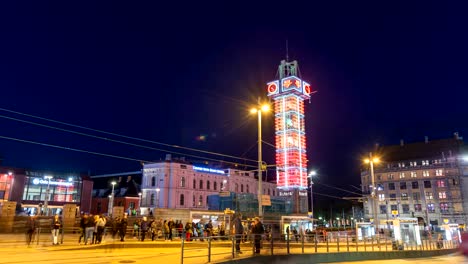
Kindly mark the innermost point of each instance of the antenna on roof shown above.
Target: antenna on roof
(287, 51)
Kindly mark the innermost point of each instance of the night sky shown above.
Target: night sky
(174, 72)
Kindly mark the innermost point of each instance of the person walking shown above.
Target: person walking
(238, 231)
(55, 228)
(83, 222)
(122, 227)
(144, 225)
(257, 231)
(101, 225)
(188, 231)
(31, 226)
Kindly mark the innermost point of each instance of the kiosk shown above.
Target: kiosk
(451, 232)
(364, 230)
(405, 230)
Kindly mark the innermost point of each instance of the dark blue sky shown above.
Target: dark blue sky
(171, 72)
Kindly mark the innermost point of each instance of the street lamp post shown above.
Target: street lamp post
(371, 160)
(311, 174)
(46, 200)
(157, 197)
(263, 108)
(111, 200)
(139, 204)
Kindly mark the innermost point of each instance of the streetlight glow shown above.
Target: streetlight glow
(253, 110)
(265, 108)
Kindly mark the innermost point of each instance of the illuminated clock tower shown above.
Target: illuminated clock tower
(289, 93)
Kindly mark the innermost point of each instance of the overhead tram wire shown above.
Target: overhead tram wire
(128, 137)
(72, 149)
(122, 142)
(329, 186)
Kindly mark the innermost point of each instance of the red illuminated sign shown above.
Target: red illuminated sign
(307, 89)
(287, 83)
(272, 88)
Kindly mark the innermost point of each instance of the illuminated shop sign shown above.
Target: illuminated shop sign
(210, 170)
(37, 181)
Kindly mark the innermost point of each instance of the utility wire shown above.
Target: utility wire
(338, 188)
(72, 149)
(114, 140)
(331, 196)
(128, 137)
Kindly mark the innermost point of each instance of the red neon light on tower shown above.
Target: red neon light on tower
(289, 93)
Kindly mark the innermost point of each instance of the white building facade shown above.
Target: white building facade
(177, 184)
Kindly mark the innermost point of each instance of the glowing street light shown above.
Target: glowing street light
(261, 108)
(46, 200)
(111, 199)
(157, 197)
(311, 174)
(371, 160)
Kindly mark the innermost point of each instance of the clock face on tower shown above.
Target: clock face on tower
(273, 88)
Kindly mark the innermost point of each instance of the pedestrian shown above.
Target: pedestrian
(188, 231)
(238, 231)
(55, 227)
(144, 225)
(83, 222)
(209, 228)
(171, 227)
(122, 226)
(136, 229)
(101, 225)
(31, 226)
(166, 230)
(257, 231)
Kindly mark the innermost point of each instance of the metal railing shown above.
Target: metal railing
(304, 244)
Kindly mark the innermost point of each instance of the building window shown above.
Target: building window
(427, 184)
(200, 201)
(442, 195)
(152, 199)
(390, 176)
(381, 197)
(182, 200)
(425, 173)
(414, 174)
(425, 163)
(201, 184)
(404, 196)
(417, 208)
(268, 191)
(194, 184)
(237, 188)
(391, 186)
(153, 181)
(405, 208)
(215, 186)
(401, 165)
(415, 185)
(242, 188)
(208, 185)
(431, 208)
(380, 187)
(439, 172)
(416, 196)
(383, 209)
(444, 208)
(394, 207)
(193, 200)
(182, 182)
(429, 196)
(402, 185)
(402, 175)
(441, 183)
(413, 163)
(248, 191)
(131, 205)
(392, 196)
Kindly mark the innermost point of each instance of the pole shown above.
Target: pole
(311, 202)
(260, 207)
(46, 200)
(373, 194)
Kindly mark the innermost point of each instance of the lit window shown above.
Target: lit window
(442, 195)
(404, 196)
(402, 175)
(441, 183)
(417, 208)
(444, 208)
(182, 182)
(381, 197)
(429, 196)
(425, 173)
(390, 176)
(431, 208)
(425, 162)
(439, 172)
(414, 174)
(200, 201)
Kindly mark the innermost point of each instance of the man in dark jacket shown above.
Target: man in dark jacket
(31, 226)
(257, 230)
(144, 224)
(122, 226)
(238, 231)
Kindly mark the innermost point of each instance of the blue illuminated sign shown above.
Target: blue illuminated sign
(209, 170)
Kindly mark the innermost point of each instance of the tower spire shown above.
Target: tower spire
(287, 51)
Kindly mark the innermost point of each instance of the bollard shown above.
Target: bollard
(271, 244)
(182, 252)
(327, 243)
(347, 242)
(209, 249)
(287, 242)
(233, 246)
(302, 241)
(338, 241)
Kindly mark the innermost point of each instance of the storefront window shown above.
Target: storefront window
(60, 189)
